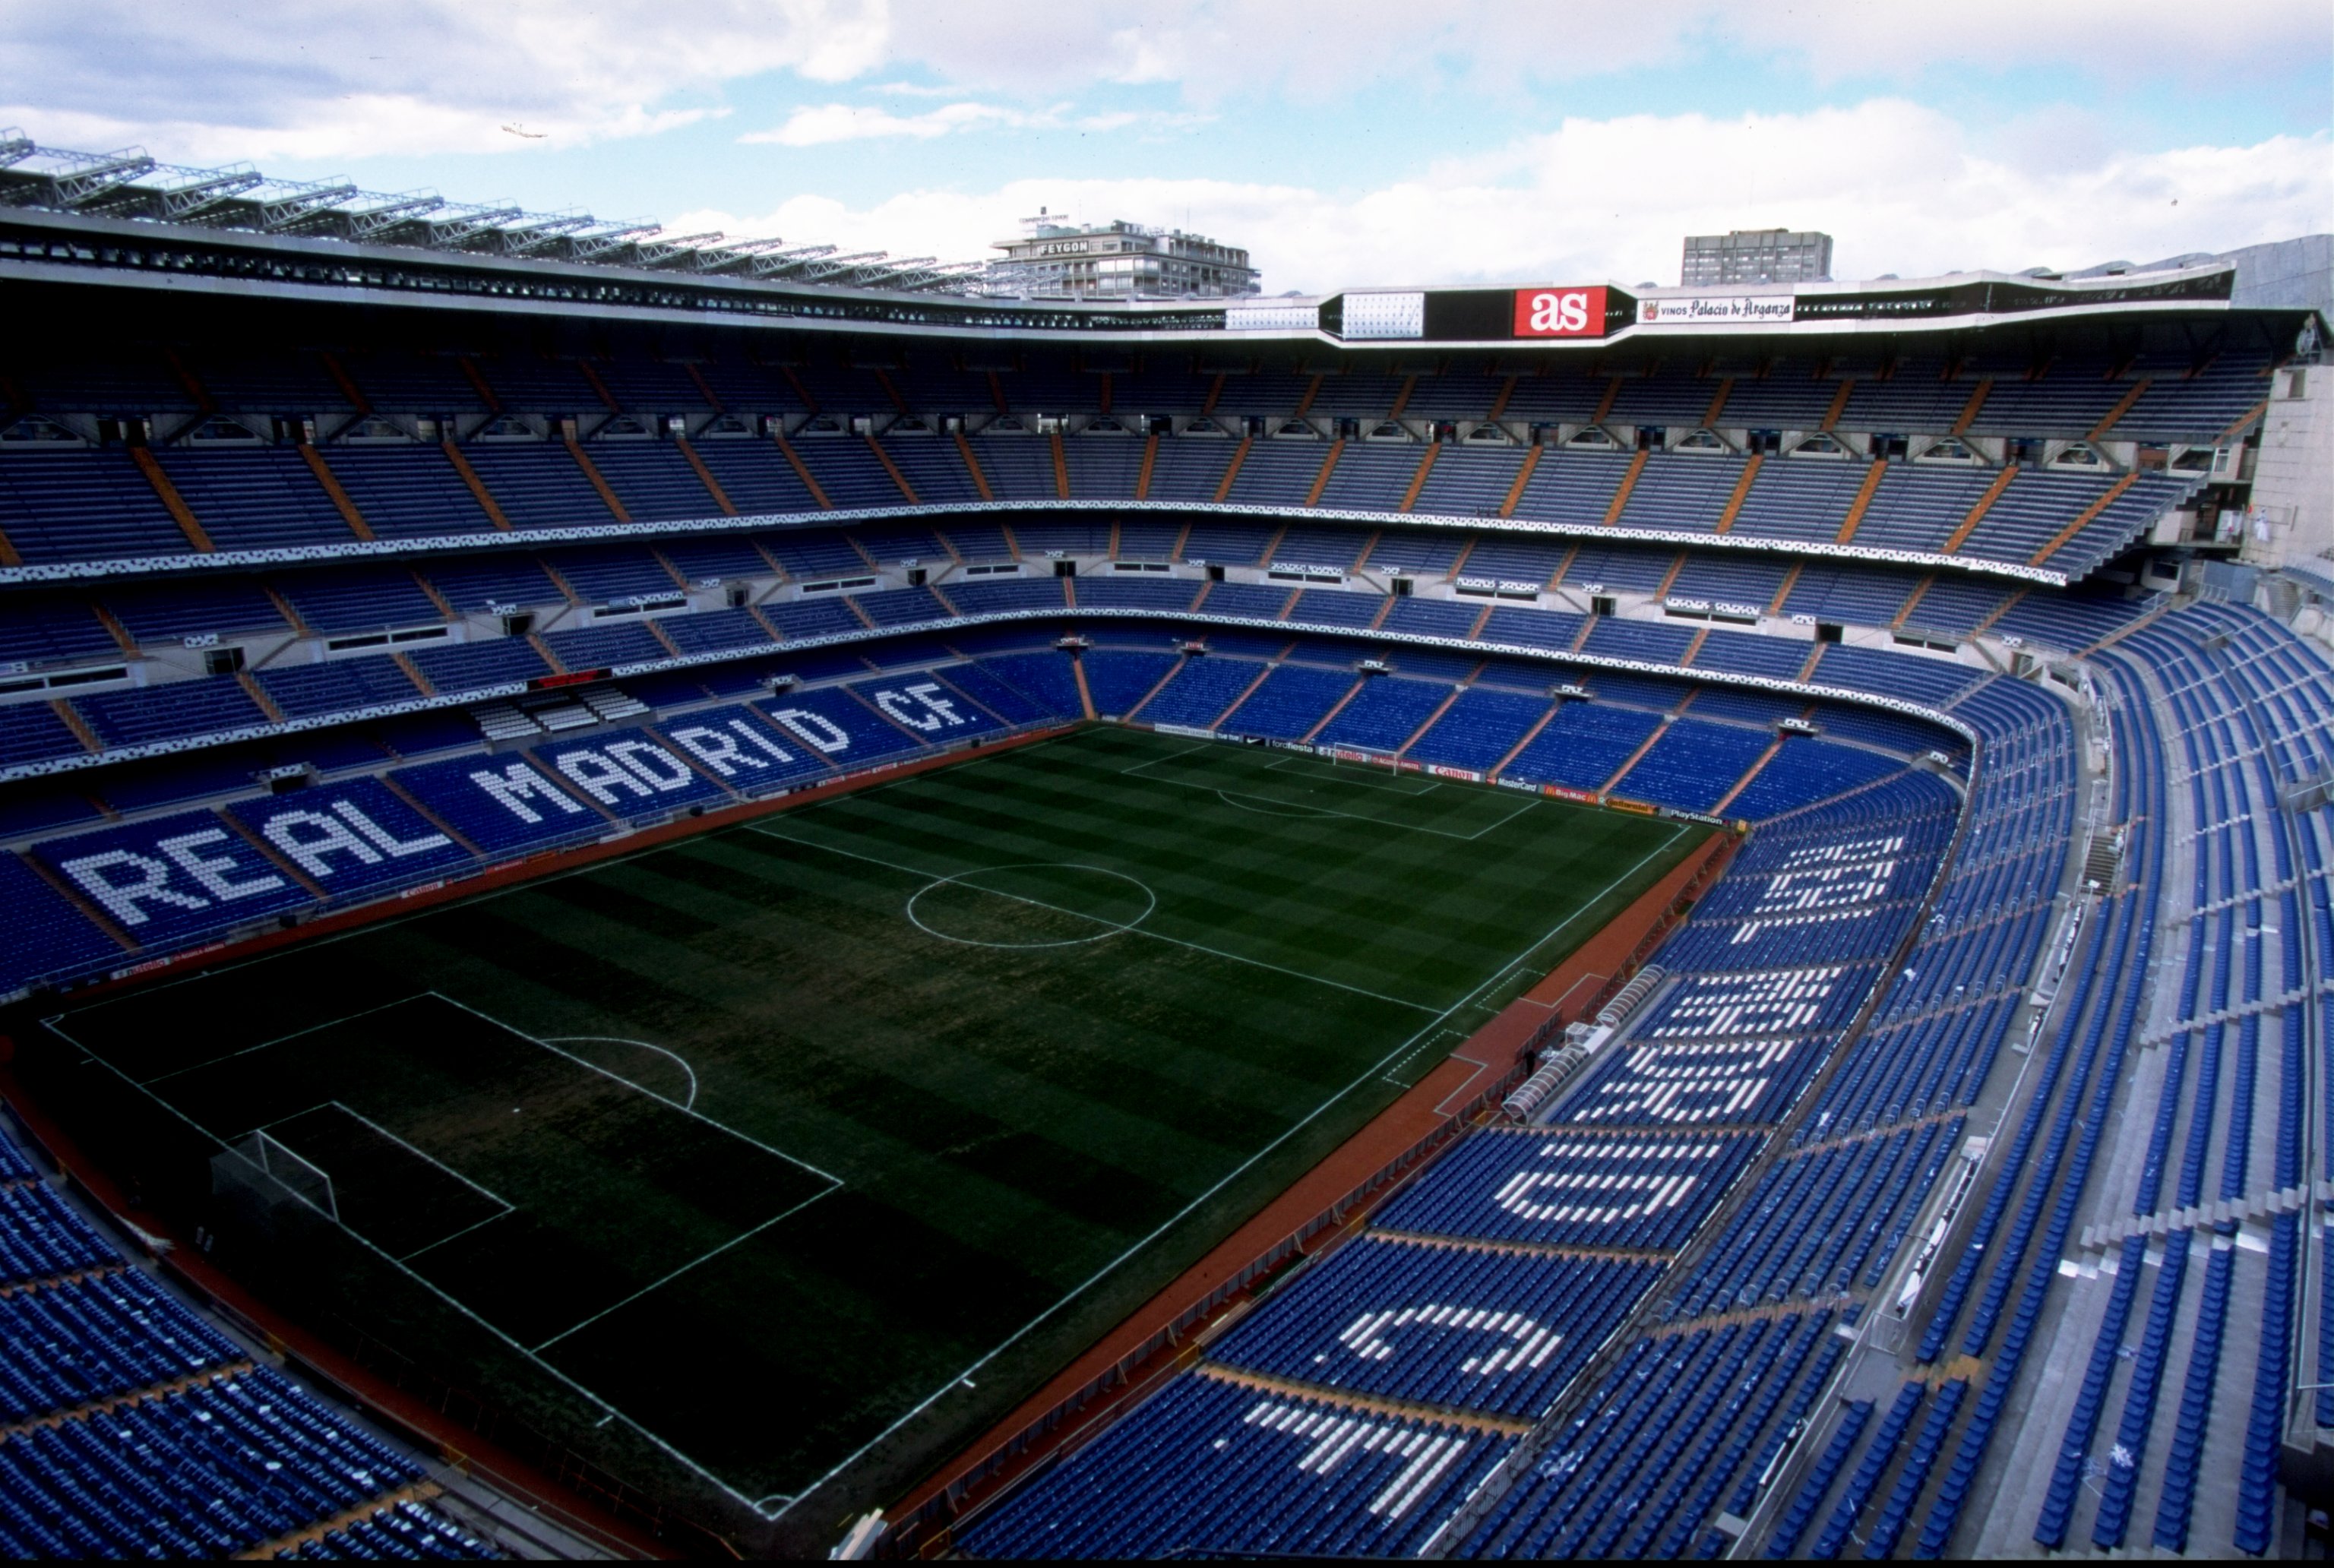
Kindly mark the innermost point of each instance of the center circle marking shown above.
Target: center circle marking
(965, 879)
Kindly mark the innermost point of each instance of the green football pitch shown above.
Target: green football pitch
(798, 1151)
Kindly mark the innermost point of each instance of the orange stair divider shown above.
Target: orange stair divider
(1919, 588)
(1428, 723)
(1604, 403)
(2123, 407)
(346, 382)
(801, 472)
(894, 469)
(1061, 468)
(1642, 747)
(81, 732)
(1839, 403)
(172, 502)
(1418, 480)
(1744, 782)
(600, 387)
(598, 481)
(1741, 493)
(705, 477)
(258, 694)
(1530, 735)
(479, 382)
(1239, 456)
(2083, 518)
(1628, 483)
(1086, 695)
(1718, 401)
(1328, 466)
(487, 503)
(1247, 691)
(1969, 409)
(1954, 540)
(332, 484)
(1150, 458)
(973, 466)
(1862, 502)
(188, 378)
(1783, 594)
(1338, 706)
(1523, 477)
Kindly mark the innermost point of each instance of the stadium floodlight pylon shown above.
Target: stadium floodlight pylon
(16, 147)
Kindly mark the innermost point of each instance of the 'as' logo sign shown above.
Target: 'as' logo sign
(1560, 312)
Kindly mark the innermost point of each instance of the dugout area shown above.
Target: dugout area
(780, 1159)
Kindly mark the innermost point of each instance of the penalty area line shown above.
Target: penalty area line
(743, 1236)
(656, 1439)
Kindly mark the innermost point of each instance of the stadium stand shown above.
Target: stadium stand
(2007, 1013)
(131, 1426)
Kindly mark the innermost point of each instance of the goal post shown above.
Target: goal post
(264, 1171)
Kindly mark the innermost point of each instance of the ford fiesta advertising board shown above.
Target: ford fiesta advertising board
(1560, 312)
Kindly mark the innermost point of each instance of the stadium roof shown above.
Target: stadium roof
(128, 183)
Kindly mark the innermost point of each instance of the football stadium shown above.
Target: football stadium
(669, 897)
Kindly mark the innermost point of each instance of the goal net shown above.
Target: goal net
(270, 1170)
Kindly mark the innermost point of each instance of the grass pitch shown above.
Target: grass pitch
(802, 1148)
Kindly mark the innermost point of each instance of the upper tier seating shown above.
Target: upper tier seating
(67, 502)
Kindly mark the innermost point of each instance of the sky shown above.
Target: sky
(1367, 142)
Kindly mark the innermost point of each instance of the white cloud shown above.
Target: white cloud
(829, 122)
(1320, 48)
(273, 79)
(270, 79)
(1903, 188)
(820, 124)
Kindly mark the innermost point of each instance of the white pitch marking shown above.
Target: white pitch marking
(1373, 1070)
(1111, 927)
(665, 1445)
(689, 1104)
(1155, 936)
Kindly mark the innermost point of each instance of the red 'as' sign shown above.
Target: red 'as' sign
(1560, 312)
